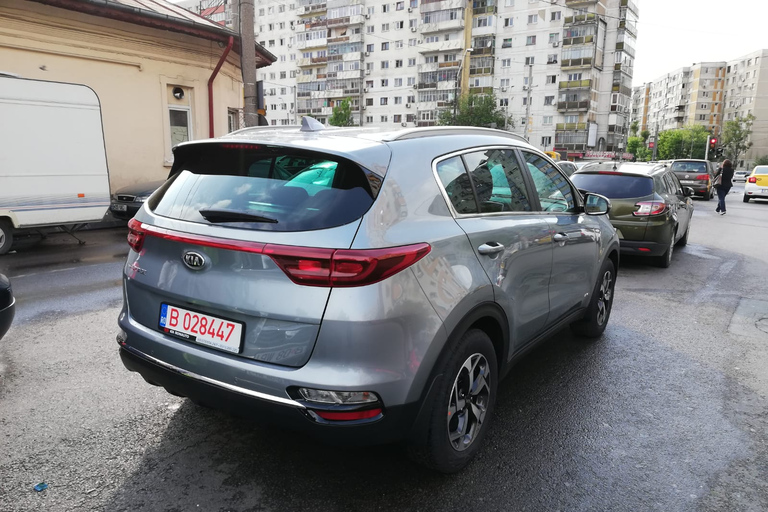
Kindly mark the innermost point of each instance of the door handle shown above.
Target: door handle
(490, 248)
(561, 237)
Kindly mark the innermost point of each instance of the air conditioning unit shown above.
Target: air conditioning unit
(555, 44)
(407, 105)
(364, 107)
(367, 16)
(367, 54)
(410, 9)
(289, 45)
(290, 111)
(367, 71)
(293, 27)
(415, 86)
(365, 89)
(413, 29)
(403, 124)
(503, 89)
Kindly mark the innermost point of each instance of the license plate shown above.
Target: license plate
(201, 328)
(119, 207)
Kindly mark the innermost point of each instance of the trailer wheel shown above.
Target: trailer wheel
(6, 236)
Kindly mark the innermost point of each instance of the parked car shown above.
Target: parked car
(740, 175)
(127, 201)
(567, 167)
(7, 305)
(697, 174)
(650, 208)
(756, 186)
(377, 294)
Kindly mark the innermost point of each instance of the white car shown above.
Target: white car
(740, 175)
(756, 186)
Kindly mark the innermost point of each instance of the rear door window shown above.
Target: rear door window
(614, 185)
(264, 188)
(555, 193)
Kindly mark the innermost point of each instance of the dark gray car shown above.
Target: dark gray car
(364, 288)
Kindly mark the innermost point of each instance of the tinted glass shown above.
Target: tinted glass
(691, 167)
(555, 193)
(674, 183)
(614, 186)
(498, 181)
(453, 175)
(270, 189)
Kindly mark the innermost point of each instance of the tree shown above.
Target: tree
(761, 160)
(633, 128)
(476, 110)
(644, 135)
(636, 146)
(342, 114)
(688, 142)
(735, 137)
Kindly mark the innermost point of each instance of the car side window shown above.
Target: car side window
(672, 184)
(498, 181)
(554, 191)
(455, 180)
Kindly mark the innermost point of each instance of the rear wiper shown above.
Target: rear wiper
(215, 215)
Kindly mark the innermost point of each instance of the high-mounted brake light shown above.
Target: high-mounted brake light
(135, 235)
(253, 147)
(646, 208)
(752, 179)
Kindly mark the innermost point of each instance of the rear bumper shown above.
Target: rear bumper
(633, 248)
(6, 318)
(394, 424)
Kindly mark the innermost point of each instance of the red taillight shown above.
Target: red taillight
(348, 416)
(702, 177)
(645, 208)
(608, 172)
(252, 147)
(343, 267)
(752, 179)
(643, 249)
(136, 235)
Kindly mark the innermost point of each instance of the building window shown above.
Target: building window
(525, 101)
(399, 6)
(369, 119)
(398, 82)
(555, 16)
(505, 63)
(552, 58)
(399, 63)
(554, 37)
(233, 120)
(398, 100)
(546, 120)
(533, 18)
(411, 81)
(369, 48)
(383, 101)
(529, 61)
(504, 82)
(549, 100)
(385, 27)
(504, 102)
(397, 118)
(507, 43)
(368, 102)
(385, 64)
(551, 79)
(507, 22)
(384, 119)
(385, 8)
(411, 42)
(384, 47)
(399, 25)
(385, 82)
(530, 40)
(370, 29)
(399, 44)
(411, 62)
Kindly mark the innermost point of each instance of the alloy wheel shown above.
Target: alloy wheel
(604, 298)
(468, 401)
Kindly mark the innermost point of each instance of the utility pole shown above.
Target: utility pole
(706, 148)
(655, 142)
(245, 15)
(528, 101)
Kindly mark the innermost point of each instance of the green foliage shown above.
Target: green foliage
(761, 160)
(633, 128)
(688, 142)
(637, 146)
(735, 138)
(476, 110)
(342, 114)
(644, 135)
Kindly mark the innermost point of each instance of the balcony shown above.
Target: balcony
(426, 85)
(584, 62)
(313, 43)
(481, 90)
(441, 46)
(580, 3)
(353, 38)
(570, 41)
(488, 9)
(311, 9)
(314, 61)
(573, 106)
(483, 51)
(580, 18)
(629, 4)
(481, 71)
(357, 19)
(442, 26)
(430, 66)
(570, 126)
(576, 84)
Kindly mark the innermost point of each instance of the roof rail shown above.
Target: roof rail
(417, 133)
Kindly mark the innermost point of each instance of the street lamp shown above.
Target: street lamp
(458, 82)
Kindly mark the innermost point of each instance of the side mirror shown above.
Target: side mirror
(595, 204)
(687, 191)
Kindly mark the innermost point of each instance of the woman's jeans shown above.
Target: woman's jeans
(721, 193)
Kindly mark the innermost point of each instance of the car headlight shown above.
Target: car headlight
(141, 199)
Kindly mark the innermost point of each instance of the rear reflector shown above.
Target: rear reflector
(310, 266)
(646, 208)
(643, 249)
(348, 416)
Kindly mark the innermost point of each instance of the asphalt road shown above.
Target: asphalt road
(666, 412)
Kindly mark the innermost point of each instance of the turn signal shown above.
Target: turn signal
(135, 235)
(646, 208)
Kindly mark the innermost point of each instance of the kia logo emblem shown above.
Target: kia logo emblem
(194, 260)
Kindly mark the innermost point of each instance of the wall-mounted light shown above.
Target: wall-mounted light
(178, 93)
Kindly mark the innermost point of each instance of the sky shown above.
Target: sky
(676, 33)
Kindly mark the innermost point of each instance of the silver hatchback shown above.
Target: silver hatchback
(362, 287)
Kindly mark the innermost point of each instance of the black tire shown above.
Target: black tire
(445, 449)
(746, 199)
(599, 311)
(665, 260)
(707, 195)
(684, 241)
(6, 236)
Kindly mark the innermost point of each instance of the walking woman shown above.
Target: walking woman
(726, 182)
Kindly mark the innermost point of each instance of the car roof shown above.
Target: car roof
(630, 168)
(369, 147)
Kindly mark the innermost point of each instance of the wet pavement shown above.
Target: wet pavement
(668, 411)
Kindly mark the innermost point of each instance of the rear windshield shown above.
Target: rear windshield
(697, 167)
(264, 188)
(761, 169)
(614, 186)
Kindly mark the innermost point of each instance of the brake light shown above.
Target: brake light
(348, 416)
(702, 177)
(608, 172)
(136, 235)
(752, 179)
(253, 147)
(343, 267)
(646, 208)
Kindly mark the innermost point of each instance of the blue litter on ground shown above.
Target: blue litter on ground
(41, 486)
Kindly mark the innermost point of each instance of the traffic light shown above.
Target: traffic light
(712, 143)
(719, 152)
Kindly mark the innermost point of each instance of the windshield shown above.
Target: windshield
(692, 167)
(614, 186)
(264, 188)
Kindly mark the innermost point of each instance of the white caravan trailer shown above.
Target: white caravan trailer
(53, 163)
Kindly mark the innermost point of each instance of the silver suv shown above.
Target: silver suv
(361, 287)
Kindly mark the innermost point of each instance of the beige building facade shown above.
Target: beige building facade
(150, 69)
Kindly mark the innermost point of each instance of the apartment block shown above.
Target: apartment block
(561, 70)
(746, 92)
